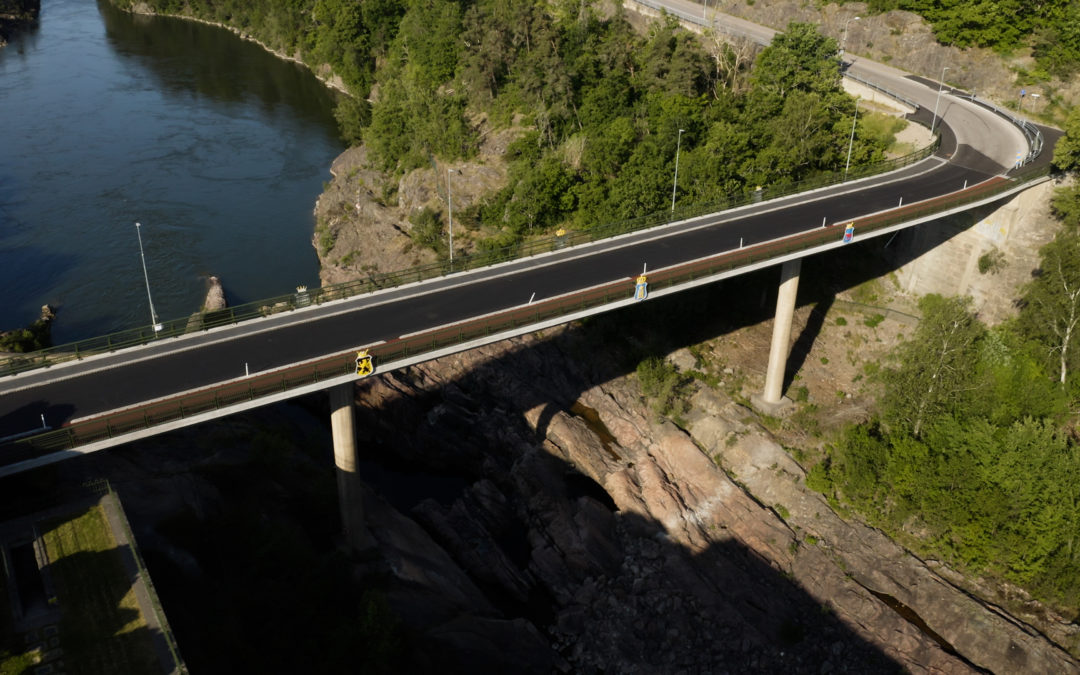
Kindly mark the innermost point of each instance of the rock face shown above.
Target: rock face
(650, 549)
(980, 253)
(363, 216)
(215, 296)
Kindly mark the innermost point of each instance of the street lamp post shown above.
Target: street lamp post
(851, 141)
(843, 41)
(678, 146)
(941, 83)
(146, 277)
(450, 215)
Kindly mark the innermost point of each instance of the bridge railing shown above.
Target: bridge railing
(222, 396)
(18, 363)
(1031, 132)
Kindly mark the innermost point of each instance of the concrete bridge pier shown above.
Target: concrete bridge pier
(772, 401)
(350, 492)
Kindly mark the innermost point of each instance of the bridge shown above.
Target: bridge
(97, 394)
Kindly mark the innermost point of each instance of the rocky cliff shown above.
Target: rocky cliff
(651, 548)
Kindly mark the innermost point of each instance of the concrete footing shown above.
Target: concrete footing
(781, 337)
(350, 496)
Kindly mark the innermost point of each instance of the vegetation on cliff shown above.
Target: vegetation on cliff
(973, 453)
(1049, 27)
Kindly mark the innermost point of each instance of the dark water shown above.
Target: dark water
(217, 147)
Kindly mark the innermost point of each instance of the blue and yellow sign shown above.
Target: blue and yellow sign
(849, 232)
(365, 363)
(641, 288)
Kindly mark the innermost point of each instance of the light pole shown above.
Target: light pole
(851, 141)
(678, 146)
(450, 212)
(843, 41)
(941, 83)
(704, 8)
(153, 315)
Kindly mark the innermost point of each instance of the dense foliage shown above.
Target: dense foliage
(603, 112)
(974, 449)
(1050, 27)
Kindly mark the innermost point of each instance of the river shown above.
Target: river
(218, 148)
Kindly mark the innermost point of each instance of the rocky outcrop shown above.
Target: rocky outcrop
(215, 296)
(37, 335)
(363, 218)
(214, 302)
(659, 550)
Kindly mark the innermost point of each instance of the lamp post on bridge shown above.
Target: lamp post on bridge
(941, 84)
(843, 41)
(678, 146)
(153, 315)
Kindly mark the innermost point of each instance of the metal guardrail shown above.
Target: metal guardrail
(1031, 132)
(694, 18)
(214, 398)
(262, 308)
(885, 90)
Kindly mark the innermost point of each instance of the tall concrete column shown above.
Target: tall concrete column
(350, 494)
(781, 336)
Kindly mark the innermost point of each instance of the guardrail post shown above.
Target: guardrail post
(350, 490)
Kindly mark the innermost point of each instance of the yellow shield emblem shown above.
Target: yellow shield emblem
(365, 364)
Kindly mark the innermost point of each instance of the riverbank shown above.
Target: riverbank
(321, 72)
(16, 14)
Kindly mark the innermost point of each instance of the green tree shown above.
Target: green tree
(1067, 149)
(1050, 314)
(933, 372)
(799, 59)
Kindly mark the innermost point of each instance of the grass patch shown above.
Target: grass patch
(101, 627)
(12, 659)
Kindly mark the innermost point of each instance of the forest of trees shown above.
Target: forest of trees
(976, 446)
(602, 105)
(1050, 27)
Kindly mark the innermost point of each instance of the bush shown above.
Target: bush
(992, 261)
(663, 385)
(427, 229)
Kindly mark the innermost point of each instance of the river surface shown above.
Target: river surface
(218, 148)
